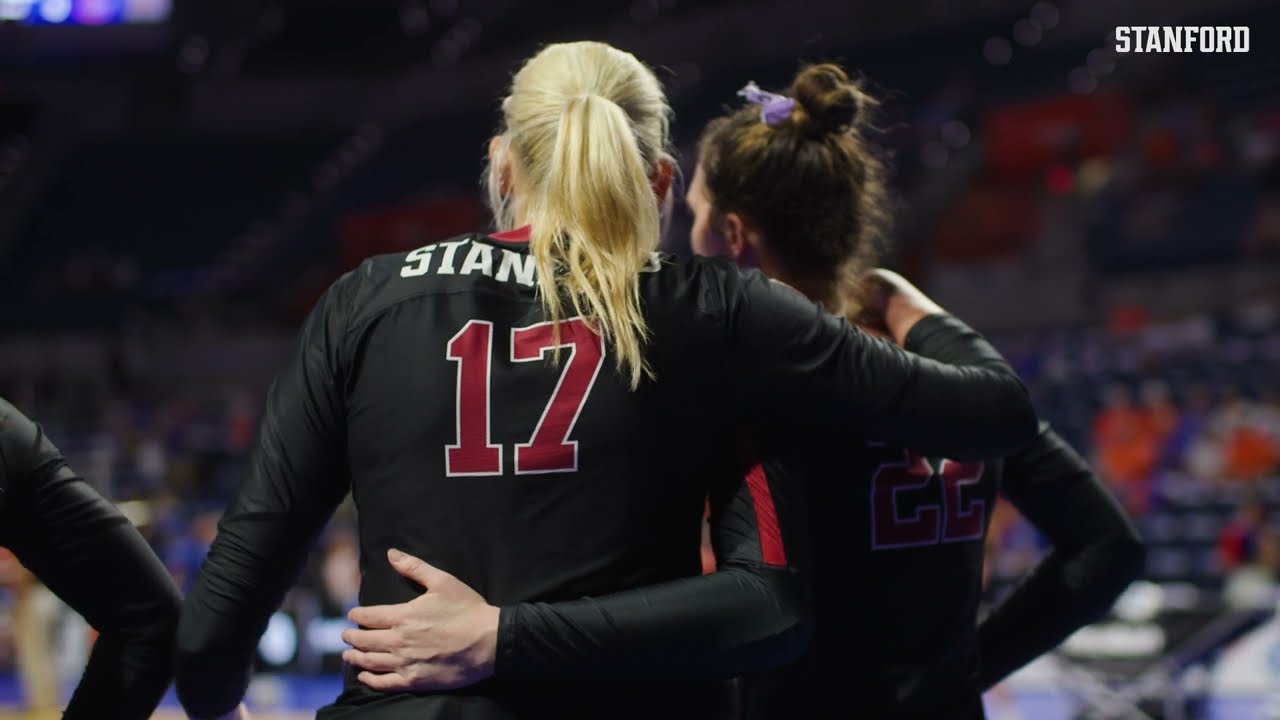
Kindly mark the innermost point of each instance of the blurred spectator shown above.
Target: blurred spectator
(36, 611)
(1205, 432)
(1249, 431)
(1159, 413)
(1127, 447)
(1253, 585)
(1191, 422)
(186, 551)
(1205, 459)
(1238, 541)
(242, 422)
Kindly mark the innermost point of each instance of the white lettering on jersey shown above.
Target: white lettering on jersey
(513, 267)
(479, 257)
(521, 265)
(446, 262)
(1122, 39)
(421, 256)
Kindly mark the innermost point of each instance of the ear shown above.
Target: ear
(733, 230)
(498, 164)
(661, 179)
(741, 239)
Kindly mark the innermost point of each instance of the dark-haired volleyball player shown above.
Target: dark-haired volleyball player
(801, 198)
(787, 183)
(91, 557)
(542, 412)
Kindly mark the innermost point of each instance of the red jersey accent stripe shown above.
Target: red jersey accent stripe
(519, 235)
(771, 550)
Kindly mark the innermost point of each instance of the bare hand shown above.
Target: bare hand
(446, 638)
(901, 304)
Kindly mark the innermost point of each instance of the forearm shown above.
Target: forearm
(803, 368)
(88, 554)
(85, 550)
(296, 477)
(214, 653)
(131, 665)
(976, 407)
(749, 615)
(1065, 592)
(949, 340)
(1097, 552)
(128, 671)
(732, 621)
(253, 562)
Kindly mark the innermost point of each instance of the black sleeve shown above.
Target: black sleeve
(91, 557)
(797, 365)
(748, 615)
(297, 475)
(1096, 554)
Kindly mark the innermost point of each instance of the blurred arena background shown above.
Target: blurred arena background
(179, 181)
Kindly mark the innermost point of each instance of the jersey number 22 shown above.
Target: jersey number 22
(927, 523)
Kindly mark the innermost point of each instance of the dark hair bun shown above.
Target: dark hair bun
(832, 102)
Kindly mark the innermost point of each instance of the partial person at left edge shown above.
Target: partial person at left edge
(80, 546)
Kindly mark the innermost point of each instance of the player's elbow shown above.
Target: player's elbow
(211, 672)
(1124, 553)
(1018, 420)
(1120, 558)
(198, 643)
(151, 612)
(145, 627)
(165, 612)
(797, 631)
(1128, 555)
(156, 629)
(209, 684)
(786, 634)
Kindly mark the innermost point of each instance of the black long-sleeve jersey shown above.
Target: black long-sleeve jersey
(1096, 552)
(88, 553)
(545, 639)
(898, 564)
(422, 383)
(898, 568)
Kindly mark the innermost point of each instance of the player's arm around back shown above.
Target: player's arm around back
(1096, 554)
(799, 365)
(91, 557)
(750, 615)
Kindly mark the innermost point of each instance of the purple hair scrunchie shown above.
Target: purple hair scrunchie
(774, 108)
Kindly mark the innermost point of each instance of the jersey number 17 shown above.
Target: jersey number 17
(549, 450)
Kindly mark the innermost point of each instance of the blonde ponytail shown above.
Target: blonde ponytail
(586, 128)
(594, 227)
